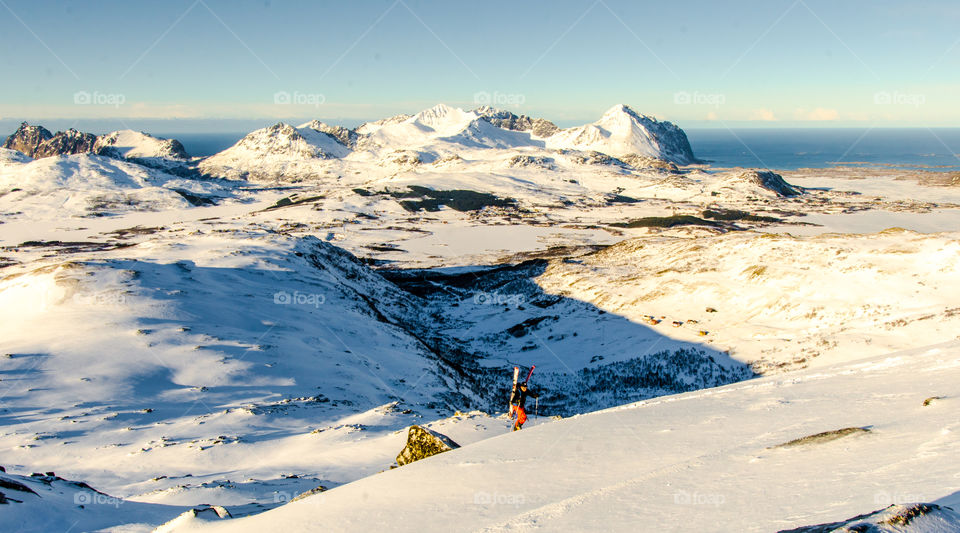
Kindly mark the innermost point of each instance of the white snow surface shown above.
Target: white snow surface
(701, 461)
(130, 144)
(178, 341)
(623, 131)
(284, 153)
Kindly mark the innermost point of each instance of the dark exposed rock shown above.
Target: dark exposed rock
(311, 492)
(510, 121)
(344, 136)
(892, 518)
(66, 143)
(422, 443)
(596, 158)
(642, 162)
(27, 138)
(666, 222)
(769, 180)
(10, 484)
(531, 161)
(930, 400)
(826, 436)
(211, 512)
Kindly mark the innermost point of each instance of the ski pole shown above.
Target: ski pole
(536, 403)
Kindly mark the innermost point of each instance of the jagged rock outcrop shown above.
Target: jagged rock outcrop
(37, 142)
(345, 136)
(595, 158)
(642, 162)
(422, 443)
(193, 517)
(66, 143)
(27, 138)
(531, 161)
(926, 517)
(510, 121)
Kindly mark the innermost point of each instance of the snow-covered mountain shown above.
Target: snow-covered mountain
(27, 139)
(129, 144)
(539, 127)
(88, 185)
(275, 152)
(622, 131)
(38, 142)
(176, 340)
(316, 149)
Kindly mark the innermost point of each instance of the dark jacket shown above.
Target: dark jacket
(520, 397)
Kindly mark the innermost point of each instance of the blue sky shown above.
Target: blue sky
(771, 62)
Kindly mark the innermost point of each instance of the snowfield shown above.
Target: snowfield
(241, 342)
(701, 461)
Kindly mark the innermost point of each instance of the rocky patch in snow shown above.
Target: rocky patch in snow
(911, 518)
(423, 443)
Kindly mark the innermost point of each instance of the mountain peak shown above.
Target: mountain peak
(130, 144)
(622, 131)
(442, 116)
(27, 138)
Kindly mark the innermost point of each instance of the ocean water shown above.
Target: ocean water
(785, 149)
(788, 149)
(203, 144)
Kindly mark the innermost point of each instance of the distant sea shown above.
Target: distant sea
(785, 149)
(935, 149)
(203, 144)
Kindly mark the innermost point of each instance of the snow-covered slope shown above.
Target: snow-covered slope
(178, 341)
(711, 460)
(776, 300)
(129, 144)
(47, 502)
(623, 131)
(200, 351)
(369, 127)
(86, 185)
(316, 149)
(271, 153)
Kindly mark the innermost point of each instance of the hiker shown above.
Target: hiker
(519, 404)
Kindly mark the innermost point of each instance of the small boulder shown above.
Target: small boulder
(194, 518)
(931, 399)
(422, 443)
